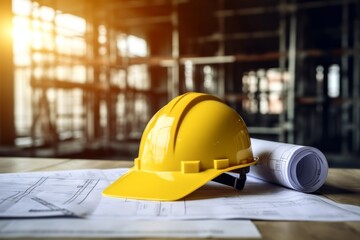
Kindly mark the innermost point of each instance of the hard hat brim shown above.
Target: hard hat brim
(162, 186)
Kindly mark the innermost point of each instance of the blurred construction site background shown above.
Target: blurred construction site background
(81, 78)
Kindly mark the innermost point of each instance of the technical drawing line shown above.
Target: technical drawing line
(158, 209)
(76, 191)
(13, 199)
(21, 194)
(30, 189)
(185, 211)
(80, 191)
(89, 192)
(52, 207)
(10, 197)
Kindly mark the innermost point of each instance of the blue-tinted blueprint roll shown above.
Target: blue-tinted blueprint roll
(301, 168)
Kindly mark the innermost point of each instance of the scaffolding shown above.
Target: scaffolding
(259, 57)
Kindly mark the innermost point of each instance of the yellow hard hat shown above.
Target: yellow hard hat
(193, 139)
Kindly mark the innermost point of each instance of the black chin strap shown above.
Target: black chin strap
(232, 181)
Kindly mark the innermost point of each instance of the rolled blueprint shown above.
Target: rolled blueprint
(301, 168)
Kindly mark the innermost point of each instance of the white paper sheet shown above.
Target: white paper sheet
(301, 168)
(129, 229)
(259, 200)
(43, 194)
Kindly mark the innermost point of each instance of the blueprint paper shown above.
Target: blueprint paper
(258, 200)
(130, 229)
(44, 194)
(301, 168)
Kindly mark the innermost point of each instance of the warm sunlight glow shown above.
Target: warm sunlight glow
(44, 42)
(36, 27)
(50, 47)
(131, 46)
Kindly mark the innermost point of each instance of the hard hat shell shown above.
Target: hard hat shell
(193, 139)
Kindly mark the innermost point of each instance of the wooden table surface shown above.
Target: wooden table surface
(342, 185)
